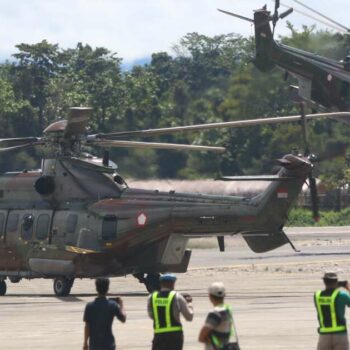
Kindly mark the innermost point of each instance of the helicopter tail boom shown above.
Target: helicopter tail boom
(275, 204)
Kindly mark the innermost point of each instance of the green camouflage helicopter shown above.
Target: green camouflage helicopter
(323, 83)
(77, 218)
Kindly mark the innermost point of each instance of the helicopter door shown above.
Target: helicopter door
(42, 227)
(109, 227)
(11, 230)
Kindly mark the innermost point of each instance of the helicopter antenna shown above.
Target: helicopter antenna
(317, 19)
(322, 15)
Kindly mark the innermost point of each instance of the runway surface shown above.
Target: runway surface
(271, 295)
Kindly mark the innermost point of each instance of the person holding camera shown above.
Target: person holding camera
(330, 305)
(219, 327)
(164, 308)
(98, 317)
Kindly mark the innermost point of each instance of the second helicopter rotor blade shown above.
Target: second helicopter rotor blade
(154, 145)
(344, 31)
(232, 124)
(322, 15)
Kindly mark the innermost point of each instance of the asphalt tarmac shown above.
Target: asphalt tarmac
(271, 294)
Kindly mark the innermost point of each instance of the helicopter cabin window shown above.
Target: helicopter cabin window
(27, 227)
(2, 222)
(71, 223)
(42, 226)
(109, 227)
(12, 222)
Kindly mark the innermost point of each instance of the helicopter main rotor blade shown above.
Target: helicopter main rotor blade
(232, 124)
(322, 15)
(237, 16)
(18, 141)
(20, 147)
(155, 145)
(77, 121)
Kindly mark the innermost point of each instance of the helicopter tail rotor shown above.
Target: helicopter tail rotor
(274, 18)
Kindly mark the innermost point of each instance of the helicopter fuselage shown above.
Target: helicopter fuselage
(88, 227)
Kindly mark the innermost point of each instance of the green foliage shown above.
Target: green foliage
(208, 79)
(303, 217)
(300, 217)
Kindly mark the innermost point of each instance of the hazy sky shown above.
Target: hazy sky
(135, 28)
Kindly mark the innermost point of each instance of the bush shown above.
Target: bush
(303, 217)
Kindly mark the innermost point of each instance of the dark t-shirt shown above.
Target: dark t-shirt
(99, 314)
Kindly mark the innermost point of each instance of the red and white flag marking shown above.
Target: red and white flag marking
(282, 193)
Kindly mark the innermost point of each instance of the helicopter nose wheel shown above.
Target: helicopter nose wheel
(3, 287)
(62, 286)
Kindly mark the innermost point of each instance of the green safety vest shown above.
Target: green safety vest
(218, 344)
(164, 321)
(327, 315)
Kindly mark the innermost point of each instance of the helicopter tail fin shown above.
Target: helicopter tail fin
(275, 203)
(264, 42)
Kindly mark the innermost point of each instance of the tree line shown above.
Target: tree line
(205, 80)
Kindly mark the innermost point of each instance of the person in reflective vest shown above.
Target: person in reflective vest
(330, 305)
(218, 331)
(164, 308)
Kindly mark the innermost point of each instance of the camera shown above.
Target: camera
(344, 284)
(187, 297)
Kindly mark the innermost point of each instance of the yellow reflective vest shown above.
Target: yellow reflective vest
(327, 313)
(164, 321)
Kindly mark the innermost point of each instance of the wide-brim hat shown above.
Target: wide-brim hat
(330, 276)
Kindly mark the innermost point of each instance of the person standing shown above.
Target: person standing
(330, 305)
(98, 318)
(219, 325)
(164, 308)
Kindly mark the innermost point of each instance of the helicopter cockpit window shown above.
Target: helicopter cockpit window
(42, 226)
(12, 222)
(109, 227)
(71, 223)
(2, 221)
(27, 226)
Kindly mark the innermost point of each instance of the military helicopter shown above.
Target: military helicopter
(323, 83)
(77, 218)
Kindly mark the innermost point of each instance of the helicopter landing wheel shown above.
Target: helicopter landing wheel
(152, 282)
(62, 286)
(3, 288)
